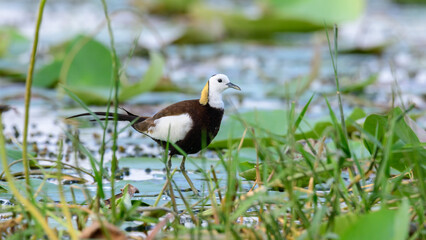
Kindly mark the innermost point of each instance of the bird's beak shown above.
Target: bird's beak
(231, 85)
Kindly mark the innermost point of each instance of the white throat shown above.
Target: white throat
(215, 100)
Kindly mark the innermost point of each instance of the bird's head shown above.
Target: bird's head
(215, 86)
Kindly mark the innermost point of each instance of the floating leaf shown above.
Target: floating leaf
(90, 73)
(318, 11)
(277, 16)
(91, 66)
(273, 122)
(48, 75)
(410, 1)
(167, 7)
(237, 24)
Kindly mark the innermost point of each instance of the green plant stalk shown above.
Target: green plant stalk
(100, 192)
(163, 189)
(383, 172)
(230, 193)
(64, 204)
(97, 168)
(116, 95)
(28, 85)
(336, 77)
(24, 201)
(187, 206)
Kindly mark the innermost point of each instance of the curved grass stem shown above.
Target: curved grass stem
(116, 102)
(28, 85)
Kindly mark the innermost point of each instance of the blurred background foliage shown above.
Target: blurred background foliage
(83, 60)
(83, 64)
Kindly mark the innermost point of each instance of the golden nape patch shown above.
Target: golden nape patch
(204, 99)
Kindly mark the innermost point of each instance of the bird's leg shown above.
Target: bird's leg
(169, 162)
(182, 168)
(169, 180)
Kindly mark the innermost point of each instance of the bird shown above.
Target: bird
(190, 125)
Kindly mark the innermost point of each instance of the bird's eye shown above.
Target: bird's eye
(219, 80)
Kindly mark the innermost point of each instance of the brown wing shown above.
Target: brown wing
(171, 110)
(178, 108)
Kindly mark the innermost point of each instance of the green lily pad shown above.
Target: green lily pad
(89, 74)
(277, 16)
(318, 11)
(48, 75)
(273, 122)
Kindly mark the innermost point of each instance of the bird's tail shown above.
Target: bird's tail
(110, 116)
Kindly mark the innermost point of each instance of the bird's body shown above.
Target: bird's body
(191, 124)
(188, 121)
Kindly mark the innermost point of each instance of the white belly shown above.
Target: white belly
(177, 126)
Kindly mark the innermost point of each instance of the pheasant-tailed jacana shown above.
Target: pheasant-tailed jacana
(184, 123)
